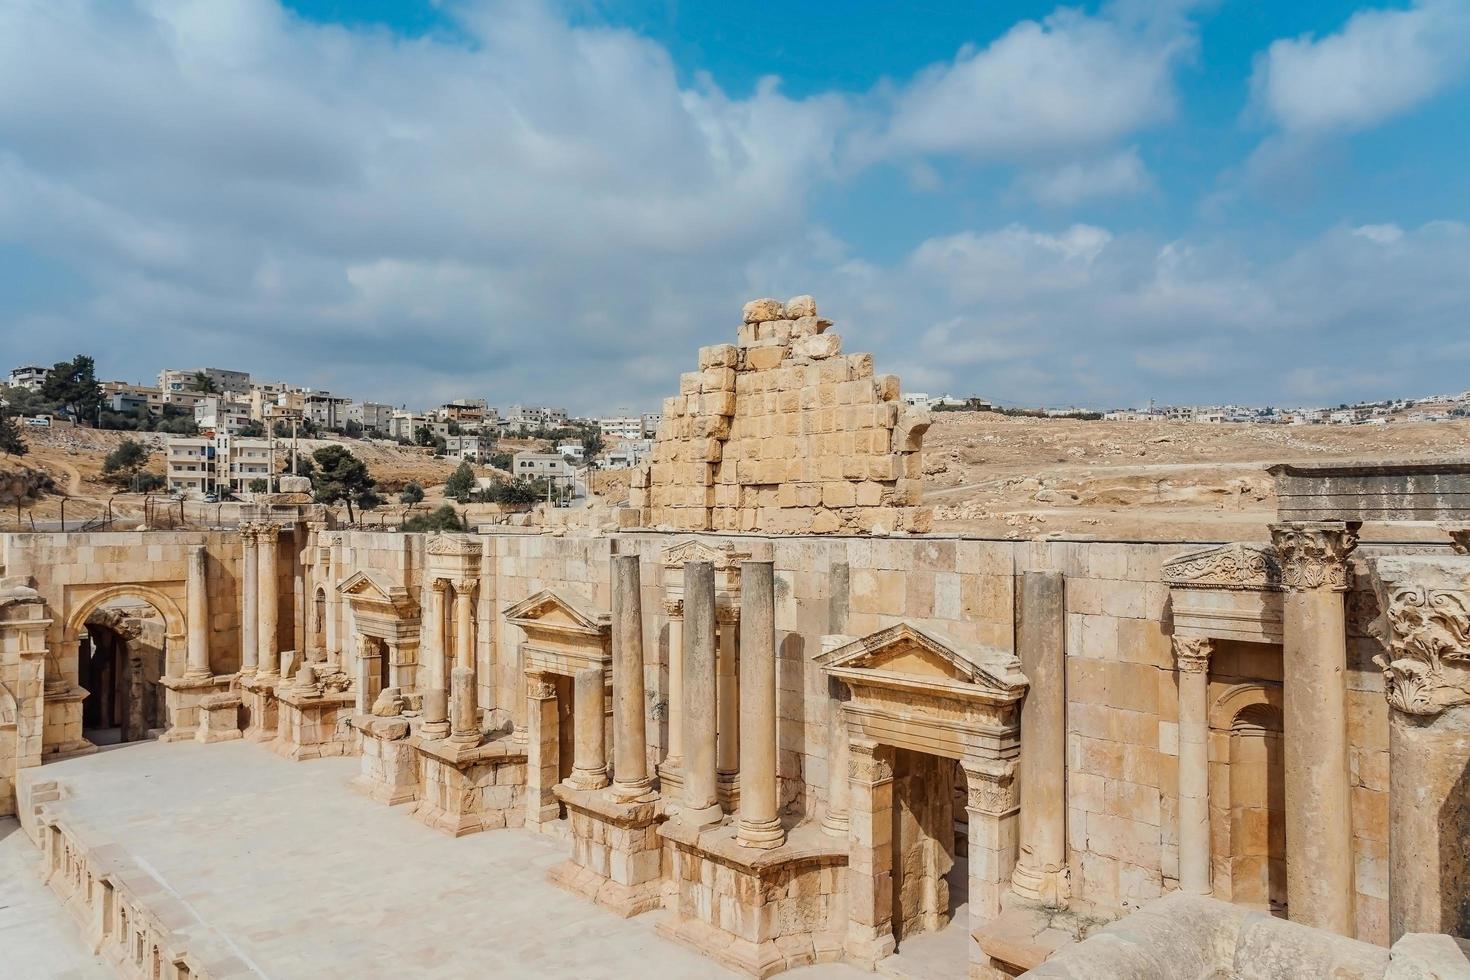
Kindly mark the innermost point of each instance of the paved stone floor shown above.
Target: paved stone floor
(38, 939)
(305, 878)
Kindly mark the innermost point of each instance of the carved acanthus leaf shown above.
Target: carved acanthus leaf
(1315, 556)
(1427, 633)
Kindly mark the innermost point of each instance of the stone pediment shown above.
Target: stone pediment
(374, 589)
(548, 611)
(1231, 566)
(907, 657)
(723, 556)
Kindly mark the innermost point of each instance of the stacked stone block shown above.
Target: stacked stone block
(783, 433)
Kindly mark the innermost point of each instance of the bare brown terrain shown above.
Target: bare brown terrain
(999, 476)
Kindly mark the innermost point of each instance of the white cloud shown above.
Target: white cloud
(1068, 82)
(1120, 174)
(1381, 63)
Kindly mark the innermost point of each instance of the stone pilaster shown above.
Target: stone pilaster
(759, 824)
(197, 595)
(1425, 629)
(631, 781)
(268, 593)
(1041, 872)
(1192, 657)
(700, 796)
(994, 815)
(1319, 842)
(369, 673)
(870, 853)
(543, 758)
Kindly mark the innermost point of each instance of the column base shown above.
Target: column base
(671, 777)
(1047, 886)
(588, 779)
(763, 834)
(727, 790)
(835, 825)
(636, 792)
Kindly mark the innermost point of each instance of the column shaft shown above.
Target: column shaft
(464, 628)
(1192, 654)
(249, 604)
(630, 742)
(197, 588)
(436, 638)
(727, 732)
(671, 770)
(835, 822)
(759, 825)
(589, 748)
(701, 800)
(269, 610)
(1319, 841)
(464, 707)
(1041, 869)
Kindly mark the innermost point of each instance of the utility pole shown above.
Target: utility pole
(294, 451)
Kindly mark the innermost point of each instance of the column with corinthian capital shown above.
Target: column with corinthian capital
(1425, 630)
(268, 597)
(249, 580)
(1319, 837)
(1192, 657)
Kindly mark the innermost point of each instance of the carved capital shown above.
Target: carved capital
(727, 614)
(674, 608)
(869, 762)
(267, 533)
(1192, 653)
(1314, 554)
(992, 786)
(540, 686)
(465, 587)
(1459, 537)
(1425, 629)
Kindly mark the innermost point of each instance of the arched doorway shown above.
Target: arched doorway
(120, 660)
(1252, 814)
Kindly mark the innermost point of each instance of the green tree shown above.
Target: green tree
(352, 429)
(12, 442)
(502, 461)
(592, 443)
(412, 494)
(259, 485)
(461, 483)
(123, 464)
(444, 518)
(203, 384)
(423, 436)
(341, 477)
(73, 384)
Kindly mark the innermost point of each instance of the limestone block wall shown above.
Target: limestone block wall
(783, 433)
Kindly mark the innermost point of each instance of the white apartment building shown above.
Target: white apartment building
(241, 460)
(536, 416)
(324, 409)
(225, 381)
(191, 467)
(626, 427)
(539, 466)
(626, 454)
(29, 376)
(222, 415)
(572, 449)
(466, 447)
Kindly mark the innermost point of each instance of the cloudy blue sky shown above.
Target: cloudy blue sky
(412, 200)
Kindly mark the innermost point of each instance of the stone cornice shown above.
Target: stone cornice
(1314, 554)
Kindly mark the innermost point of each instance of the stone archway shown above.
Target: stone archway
(1251, 816)
(121, 670)
(919, 705)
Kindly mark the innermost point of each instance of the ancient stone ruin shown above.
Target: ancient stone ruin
(786, 738)
(783, 433)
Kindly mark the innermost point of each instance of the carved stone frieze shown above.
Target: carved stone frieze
(1314, 555)
(1232, 566)
(1425, 631)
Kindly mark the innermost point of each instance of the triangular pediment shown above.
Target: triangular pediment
(721, 556)
(914, 657)
(1230, 566)
(548, 610)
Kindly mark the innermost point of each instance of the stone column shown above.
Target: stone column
(464, 708)
(329, 586)
(1041, 872)
(436, 635)
(464, 627)
(1319, 839)
(197, 593)
(249, 580)
(671, 770)
(543, 758)
(870, 853)
(759, 825)
(269, 605)
(1425, 629)
(1192, 657)
(436, 713)
(728, 707)
(701, 796)
(589, 748)
(836, 820)
(630, 743)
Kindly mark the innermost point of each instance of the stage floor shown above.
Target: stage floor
(303, 877)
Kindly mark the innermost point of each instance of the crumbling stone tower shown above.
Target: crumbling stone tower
(783, 433)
